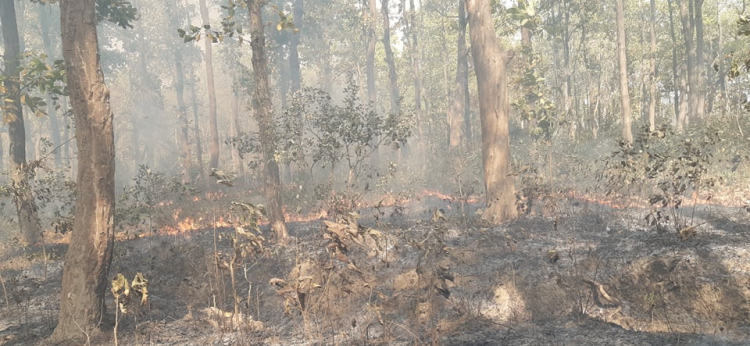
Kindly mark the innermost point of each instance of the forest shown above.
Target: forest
(374, 172)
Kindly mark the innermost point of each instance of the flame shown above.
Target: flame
(196, 198)
(296, 217)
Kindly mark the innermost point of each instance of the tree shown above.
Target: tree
(460, 97)
(88, 259)
(679, 109)
(392, 72)
(622, 61)
(45, 24)
(266, 125)
(699, 68)
(213, 121)
(28, 219)
(690, 57)
(490, 63)
(294, 65)
(182, 116)
(652, 69)
(372, 90)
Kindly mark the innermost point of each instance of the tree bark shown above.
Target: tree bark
(417, 75)
(263, 113)
(213, 119)
(28, 219)
(54, 123)
(652, 70)
(700, 69)
(392, 72)
(622, 60)
(197, 131)
(458, 105)
(687, 32)
(372, 91)
(84, 280)
(236, 134)
(135, 133)
(678, 118)
(298, 12)
(182, 120)
(490, 64)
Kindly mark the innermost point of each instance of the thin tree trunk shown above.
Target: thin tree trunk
(2, 157)
(567, 97)
(458, 105)
(213, 118)
(652, 70)
(182, 119)
(298, 12)
(263, 113)
(687, 32)
(721, 72)
(66, 135)
(28, 219)
(283, 68)
(327, 69)
(54, 122)
(236, 134)
(622, 61)
(284, 76)
(700, 70)
(197, 131)
(392, 73)
(675, 77)
(372, 91)
(135, 130)
(490, 64)
(84, 281)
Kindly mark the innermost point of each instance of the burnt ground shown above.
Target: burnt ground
(584, 274)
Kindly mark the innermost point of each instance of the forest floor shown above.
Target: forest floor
(583, 274)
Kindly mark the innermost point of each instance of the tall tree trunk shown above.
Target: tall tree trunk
(721, 72)
(567, 94)
(458, 105)
(135, 133)
(298, 12)
(28, 219)
(490, 64)
(263, 113)
(687, 32)
(652, 70)
(372, 91)
(283, 68)
(678, 118)
(67, 125)
(182, 119)
(213, 120)
(143, 103)
(392, 72)
(327, 69)
(237, 132)
(622, 60)
(283, 84)
(54, 123)
(197, 131)
(700, 70)
(2, 157)
(84, 280)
